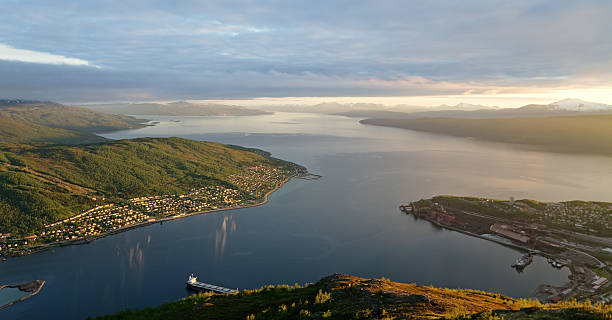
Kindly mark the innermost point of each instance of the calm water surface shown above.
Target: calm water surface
(346, 222)
(8, 295)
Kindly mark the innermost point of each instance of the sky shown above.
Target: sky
(477, 51)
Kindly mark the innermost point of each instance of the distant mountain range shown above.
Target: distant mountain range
(178, 108)
(55, 115)
(567, 107)
(16, 131)
(349, 108)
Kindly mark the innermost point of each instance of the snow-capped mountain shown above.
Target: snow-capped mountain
(579, 105)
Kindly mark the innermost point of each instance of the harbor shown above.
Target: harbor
(589, 275)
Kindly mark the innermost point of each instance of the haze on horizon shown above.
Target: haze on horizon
(504, 53)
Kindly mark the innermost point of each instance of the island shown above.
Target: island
(573, 234)
(348, 297)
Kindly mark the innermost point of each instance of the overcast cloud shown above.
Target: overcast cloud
(137, 50)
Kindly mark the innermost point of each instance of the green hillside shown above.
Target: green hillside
(348, 297)
(42, 184)
(26, 132)
(579, 134)
(55, 115)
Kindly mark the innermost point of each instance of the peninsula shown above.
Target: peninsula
(571, 234)
(58, 195)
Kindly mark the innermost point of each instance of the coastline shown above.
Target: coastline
(43, 247)
(574, 288)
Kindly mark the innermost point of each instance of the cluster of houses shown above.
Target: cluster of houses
(251, 185)
(259, 179)
(93, 222)
(207, 198)
(586, 216)
(594, 218)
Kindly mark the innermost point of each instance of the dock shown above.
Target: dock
(194, 284)
(523, 262)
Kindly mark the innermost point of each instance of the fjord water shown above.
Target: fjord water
(346, 222)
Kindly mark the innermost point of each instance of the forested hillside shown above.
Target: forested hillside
(40, 184)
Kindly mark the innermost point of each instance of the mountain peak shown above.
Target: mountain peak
(579, 105)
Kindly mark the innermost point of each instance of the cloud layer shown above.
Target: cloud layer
(225, 49)
(13, 54)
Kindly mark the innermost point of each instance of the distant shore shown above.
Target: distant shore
(584, 134)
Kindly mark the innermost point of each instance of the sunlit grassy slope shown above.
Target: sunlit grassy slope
(348, 297)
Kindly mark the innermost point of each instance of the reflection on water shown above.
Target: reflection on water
(225, 229)
(136, 256)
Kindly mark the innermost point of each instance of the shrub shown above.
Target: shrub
(322, 297)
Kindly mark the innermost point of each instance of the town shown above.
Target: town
(248, 189)
(564, 233)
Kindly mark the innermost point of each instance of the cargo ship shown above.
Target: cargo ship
(194, 284)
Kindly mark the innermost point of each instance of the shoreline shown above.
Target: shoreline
(537, 291)
(44, 247)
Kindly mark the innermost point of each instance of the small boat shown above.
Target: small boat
(557, 264)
